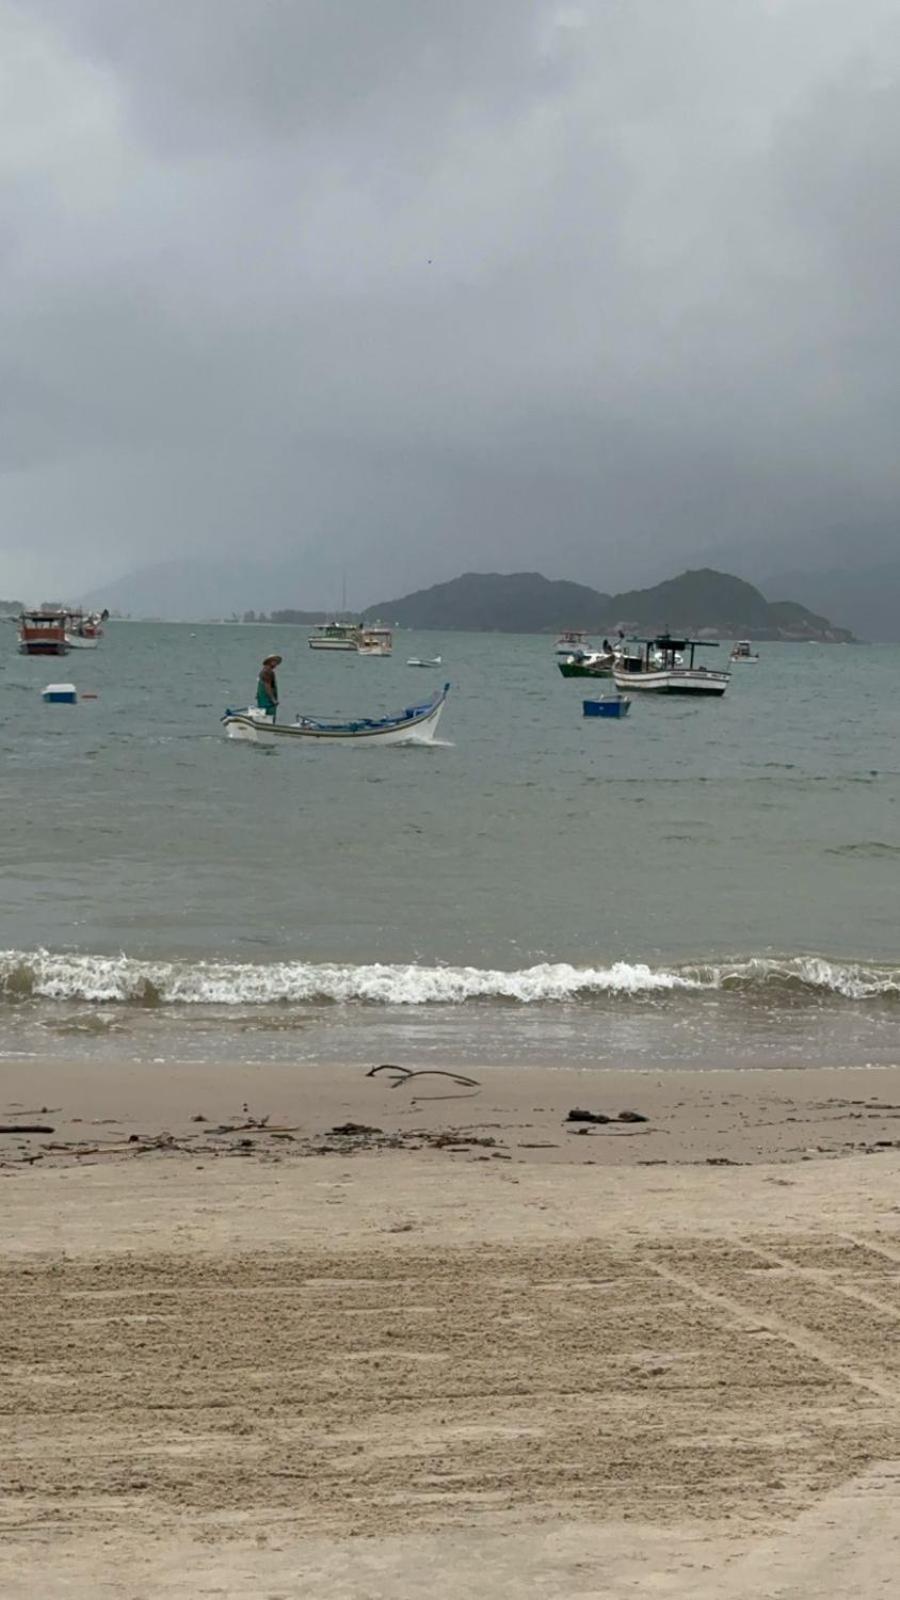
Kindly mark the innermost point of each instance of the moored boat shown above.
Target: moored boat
(43, 633)
(84, 632)
(419, 661)
(335, 636)
(666, 666)
(375, 642)
(588, 664)
(570, 642)
(743, 654)
(414, 725)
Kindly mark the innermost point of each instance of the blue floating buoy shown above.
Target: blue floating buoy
(613, 706)
(60, 694)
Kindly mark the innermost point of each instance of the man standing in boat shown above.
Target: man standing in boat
(267, 687)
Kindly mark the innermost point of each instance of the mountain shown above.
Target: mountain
(702, 600)
(867, 598)
(514, 602)
(698, 602)
(699, 599)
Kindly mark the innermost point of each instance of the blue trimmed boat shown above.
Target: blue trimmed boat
(414, 725)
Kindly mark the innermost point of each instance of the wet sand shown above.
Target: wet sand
(656, 1357)
(276, 1111)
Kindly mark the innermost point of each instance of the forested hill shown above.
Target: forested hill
(702, 601)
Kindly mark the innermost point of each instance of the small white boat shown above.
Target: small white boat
(415, 725)
(572, 642)
(335, 636)
(743, 654)
(416, 661)
(666, 666)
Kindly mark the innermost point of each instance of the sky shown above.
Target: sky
(316, 293)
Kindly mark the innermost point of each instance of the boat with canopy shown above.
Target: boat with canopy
(664, 665)
(43, 633)
(335, 636)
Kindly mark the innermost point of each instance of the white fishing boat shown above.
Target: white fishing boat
(418, 661)
(335, 636)
(743, 655)
(666, 666)
(375, 642)
(572, 641)
(414, 725)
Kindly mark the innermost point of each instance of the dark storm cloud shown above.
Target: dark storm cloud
(592, 287)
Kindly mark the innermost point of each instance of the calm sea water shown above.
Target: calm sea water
(709, 883)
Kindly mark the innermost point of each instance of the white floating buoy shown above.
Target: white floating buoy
(60, 694)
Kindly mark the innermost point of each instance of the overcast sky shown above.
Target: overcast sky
(403, 287)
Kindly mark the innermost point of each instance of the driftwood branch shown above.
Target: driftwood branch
(404, 1074)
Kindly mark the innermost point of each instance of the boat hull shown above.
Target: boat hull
(347, 645)
(254, 727)
(34, 647)
(673, 680)
(78, 642)
(582, 669)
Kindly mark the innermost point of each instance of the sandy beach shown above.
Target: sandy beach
(278, 1333)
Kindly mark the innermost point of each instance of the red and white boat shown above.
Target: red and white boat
(43, 633)
(84, 632)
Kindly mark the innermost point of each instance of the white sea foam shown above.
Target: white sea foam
(809, 974)
(122, 980)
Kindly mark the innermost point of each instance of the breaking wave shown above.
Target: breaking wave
(120, 980)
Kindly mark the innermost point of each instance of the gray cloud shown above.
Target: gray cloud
(599, 287)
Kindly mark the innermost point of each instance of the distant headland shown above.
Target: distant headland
(702, 602)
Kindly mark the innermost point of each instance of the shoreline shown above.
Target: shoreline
(90, 1111)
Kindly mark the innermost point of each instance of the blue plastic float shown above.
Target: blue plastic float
(612, 705)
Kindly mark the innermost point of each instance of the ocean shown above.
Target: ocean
(704, 884)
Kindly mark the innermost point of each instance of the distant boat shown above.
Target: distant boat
(588, 664)
(415, 725)
(335, 636)
(84, 632)
(570, 642)
(43, 633)
(666, 666)
(375, 642)
(743, 653)
(417, 661)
